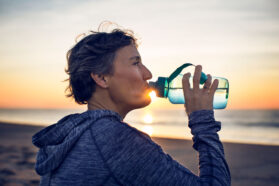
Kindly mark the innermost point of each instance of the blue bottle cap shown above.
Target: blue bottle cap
(203, 78)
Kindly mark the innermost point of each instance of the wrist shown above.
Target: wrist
(201, 116)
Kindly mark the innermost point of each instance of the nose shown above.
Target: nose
(146, 73)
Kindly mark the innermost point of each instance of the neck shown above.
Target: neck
(101, 100)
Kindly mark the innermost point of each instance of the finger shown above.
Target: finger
(197, 77)
(213, 87)
(186, 84)
(207, 83)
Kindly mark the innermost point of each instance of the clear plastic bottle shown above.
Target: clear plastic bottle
(172, 89)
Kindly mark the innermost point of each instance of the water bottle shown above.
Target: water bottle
(171, 88)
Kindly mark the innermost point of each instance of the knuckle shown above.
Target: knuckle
(185, 83)
(208, 82)
(195, 79)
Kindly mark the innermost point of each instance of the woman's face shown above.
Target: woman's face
(128, 87)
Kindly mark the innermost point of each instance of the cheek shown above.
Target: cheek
(128, 87)
(131, 80)
(134, 84)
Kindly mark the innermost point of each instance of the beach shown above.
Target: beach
(249, 164)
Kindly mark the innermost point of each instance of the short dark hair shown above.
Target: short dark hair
(95, 53)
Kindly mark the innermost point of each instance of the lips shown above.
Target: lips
(146, 86)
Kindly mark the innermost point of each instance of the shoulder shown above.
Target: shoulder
(109, 127)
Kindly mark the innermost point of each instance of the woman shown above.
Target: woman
(97, 148)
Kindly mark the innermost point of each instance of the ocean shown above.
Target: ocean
(241, 126)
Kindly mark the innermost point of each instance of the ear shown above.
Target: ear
(100, 80)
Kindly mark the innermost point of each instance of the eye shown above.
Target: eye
(136, 63)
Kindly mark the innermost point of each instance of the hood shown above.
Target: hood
(57, 140)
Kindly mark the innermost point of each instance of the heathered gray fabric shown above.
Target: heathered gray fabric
(98, 148)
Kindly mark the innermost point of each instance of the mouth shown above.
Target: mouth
(146, 86)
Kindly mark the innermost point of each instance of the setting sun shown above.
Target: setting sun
(148, 118)
(153, 95)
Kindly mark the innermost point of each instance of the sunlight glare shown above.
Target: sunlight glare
(148, 129)
(148, 118)
(153, 95)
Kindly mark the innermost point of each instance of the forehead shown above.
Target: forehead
(127, 52)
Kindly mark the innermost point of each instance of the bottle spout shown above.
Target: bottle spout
(154, 87)
(160, 86)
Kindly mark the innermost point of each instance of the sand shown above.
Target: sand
(255, 165)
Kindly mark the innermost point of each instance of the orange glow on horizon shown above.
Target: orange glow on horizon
(35, 94)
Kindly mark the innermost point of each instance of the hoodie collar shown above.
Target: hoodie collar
(56, 140)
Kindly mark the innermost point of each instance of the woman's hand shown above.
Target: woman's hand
(196, 98)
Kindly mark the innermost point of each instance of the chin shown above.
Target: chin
(143, 103)
(147, 102)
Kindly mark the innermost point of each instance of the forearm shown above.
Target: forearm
(212, 163)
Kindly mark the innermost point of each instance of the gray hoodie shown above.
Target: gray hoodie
(98, 148)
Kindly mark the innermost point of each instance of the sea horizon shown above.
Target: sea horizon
(252, 126)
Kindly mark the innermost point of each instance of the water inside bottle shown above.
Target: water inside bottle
(176, 96)
(220, 98)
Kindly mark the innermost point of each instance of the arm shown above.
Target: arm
(199, 107)
(214, 169)
(134, 159)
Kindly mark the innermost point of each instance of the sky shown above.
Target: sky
(237, 40)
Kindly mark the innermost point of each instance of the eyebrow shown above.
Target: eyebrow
(135, 57)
